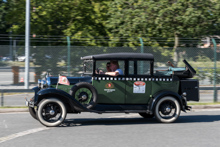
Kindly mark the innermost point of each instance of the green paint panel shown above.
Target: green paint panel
(165, 85)
(124, 92)
(137, 98)
(110, 92)
(65, 88)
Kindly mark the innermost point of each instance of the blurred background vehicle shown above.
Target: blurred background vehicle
(22, 58)
(5, 59)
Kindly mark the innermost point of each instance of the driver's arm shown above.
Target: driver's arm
(115, 73)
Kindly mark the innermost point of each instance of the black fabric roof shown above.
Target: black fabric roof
(120, 56)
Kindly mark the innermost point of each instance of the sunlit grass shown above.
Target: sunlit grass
(17, 93)
(20, 64)
(9, 107)
(203, 103)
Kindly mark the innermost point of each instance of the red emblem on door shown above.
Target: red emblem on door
(139, 83)
(109, 85)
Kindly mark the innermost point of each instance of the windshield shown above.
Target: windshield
(88, 67)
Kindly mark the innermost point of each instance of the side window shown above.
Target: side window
(131, 68)
(102, 65)
(139, 67)
(143, 67)
(121, 64)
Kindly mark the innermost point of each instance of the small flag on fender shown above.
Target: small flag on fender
(63, 80)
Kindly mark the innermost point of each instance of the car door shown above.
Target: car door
(138, 83)
(110, 90)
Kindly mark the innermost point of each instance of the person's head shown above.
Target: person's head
(108, 67)
(114, 65)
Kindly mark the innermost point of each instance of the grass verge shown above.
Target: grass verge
(8, 107)
(209, 103)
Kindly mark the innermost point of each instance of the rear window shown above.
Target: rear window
(139, 67)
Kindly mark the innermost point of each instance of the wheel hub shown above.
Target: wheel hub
(166, 109)
(52, 112)
(83, 96)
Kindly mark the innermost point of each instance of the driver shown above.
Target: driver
(115, 70)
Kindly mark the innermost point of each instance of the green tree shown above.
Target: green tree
(75, 18)
(169, 19)
(3, 24)
(2, 13)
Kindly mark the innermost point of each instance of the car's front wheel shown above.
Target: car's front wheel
(167, 109)
(51, 112)
(32, 112)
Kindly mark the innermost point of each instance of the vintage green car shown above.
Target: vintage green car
(139, 89)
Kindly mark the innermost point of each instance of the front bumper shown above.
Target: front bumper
(29, 103)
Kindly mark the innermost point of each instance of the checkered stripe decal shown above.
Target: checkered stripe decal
(131, 79)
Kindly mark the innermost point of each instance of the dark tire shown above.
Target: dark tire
(85, 93)
(32, 111)
(51, 112)
(167, 109)
(146, 115)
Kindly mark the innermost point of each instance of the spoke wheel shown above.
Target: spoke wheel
(167, 109)
(51, 112)
(84, 93)
(32, 111)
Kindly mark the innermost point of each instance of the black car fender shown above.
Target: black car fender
(157, 96)
(36, 89)
(60, 94)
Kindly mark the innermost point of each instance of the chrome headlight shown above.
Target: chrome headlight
(43, 83)
(48, 81)
(39, 83)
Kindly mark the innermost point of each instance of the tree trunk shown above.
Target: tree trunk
(175, 57)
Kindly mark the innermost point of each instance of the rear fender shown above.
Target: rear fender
(161, 94)
(62, 95)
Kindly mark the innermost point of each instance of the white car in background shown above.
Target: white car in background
(22, 58)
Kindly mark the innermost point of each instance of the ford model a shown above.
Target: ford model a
(138, 89)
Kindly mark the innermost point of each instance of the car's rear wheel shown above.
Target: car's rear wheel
(167, 109)
(146, 115)
(85, 93)
(51, 112)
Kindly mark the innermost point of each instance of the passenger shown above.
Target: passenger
(170, 64)
(108, 67)
(115, 70)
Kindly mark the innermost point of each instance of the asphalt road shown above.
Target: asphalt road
(194, 129)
